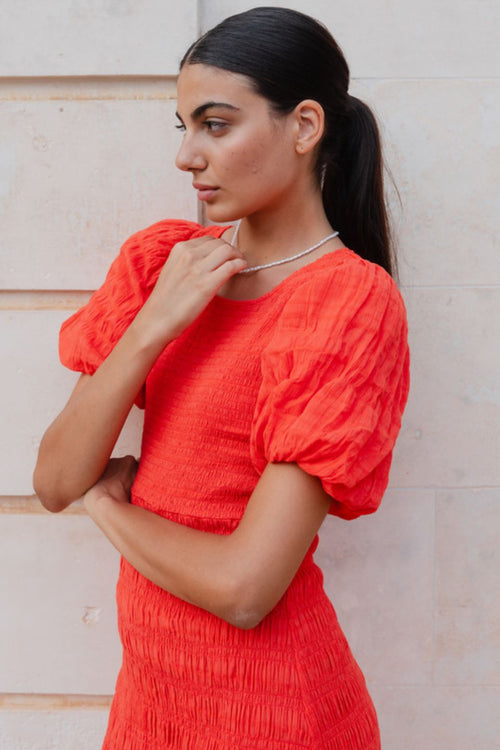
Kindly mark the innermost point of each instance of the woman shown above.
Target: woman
(273, 366)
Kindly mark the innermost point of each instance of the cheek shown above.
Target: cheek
(258, 160)
(247, 157)
(241, 166)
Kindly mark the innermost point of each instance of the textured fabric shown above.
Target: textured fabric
(314, 372)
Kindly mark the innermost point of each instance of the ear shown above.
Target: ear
(309, 125)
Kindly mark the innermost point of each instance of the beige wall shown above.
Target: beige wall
(86, 146)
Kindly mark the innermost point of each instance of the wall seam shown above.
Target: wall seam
(434, 594)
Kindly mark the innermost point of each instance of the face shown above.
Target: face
(241, 154)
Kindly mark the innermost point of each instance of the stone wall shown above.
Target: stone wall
(87, 96)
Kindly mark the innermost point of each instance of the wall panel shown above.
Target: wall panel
(95, 37)
(399, 39)
(451, 426)
(90, 173)
(58, 620)
(35, 388)
(373, 562)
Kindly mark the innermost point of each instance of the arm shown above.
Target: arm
(76, 448)
(239, 577)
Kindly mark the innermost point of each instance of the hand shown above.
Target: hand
(191, 277)
(116, 482)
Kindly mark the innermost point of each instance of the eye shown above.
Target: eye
(181, 127)
(214, 126)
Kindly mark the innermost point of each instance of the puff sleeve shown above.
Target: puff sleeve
(335, 383)
(89, 335)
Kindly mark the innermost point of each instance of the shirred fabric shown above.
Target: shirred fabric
(315, 371)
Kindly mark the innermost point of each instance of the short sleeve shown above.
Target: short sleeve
(89, 335)
(335, 383)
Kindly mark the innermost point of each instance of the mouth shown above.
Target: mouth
(204, 192)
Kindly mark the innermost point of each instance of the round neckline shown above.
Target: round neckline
(291, 277)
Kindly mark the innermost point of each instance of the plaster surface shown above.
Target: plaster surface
(400, 39)
(35, 389)
(90, 173)
(95, 37)
(65, 575)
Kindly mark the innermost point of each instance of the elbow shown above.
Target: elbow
(51, 500)
(247, 606)
(245, 619)
(43, 486)
(53, 506)
(53, 487)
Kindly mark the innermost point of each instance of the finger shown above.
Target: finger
(223, 273)
(207, 243)
(220, 254)
(200, 247)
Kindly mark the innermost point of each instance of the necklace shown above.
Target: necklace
(284, 260)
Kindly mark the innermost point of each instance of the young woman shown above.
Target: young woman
(273, 366)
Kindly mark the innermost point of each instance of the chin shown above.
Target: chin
(220, 215)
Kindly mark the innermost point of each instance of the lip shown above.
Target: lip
(204, 192)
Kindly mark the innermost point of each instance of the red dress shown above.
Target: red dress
(314, 372)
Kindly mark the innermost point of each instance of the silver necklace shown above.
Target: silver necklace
(284, 260)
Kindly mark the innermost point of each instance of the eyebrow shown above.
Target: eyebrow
(199, 111)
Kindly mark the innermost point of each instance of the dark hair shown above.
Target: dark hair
(289, 57)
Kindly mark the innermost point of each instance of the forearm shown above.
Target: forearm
(240, 576)
(196, 566)
(76, 447)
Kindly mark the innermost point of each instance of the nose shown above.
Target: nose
(189, 157)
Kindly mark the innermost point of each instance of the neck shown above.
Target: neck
(271, 235)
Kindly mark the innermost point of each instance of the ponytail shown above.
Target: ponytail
(353, 192)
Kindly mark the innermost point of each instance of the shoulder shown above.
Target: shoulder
(145, 251)
(160, 237)
(352, 279)
(339, 291)
(170, 231)
(88, 335)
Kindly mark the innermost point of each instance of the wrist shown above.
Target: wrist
(148, 336)
(95, 501)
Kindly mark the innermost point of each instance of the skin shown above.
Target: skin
(262, 167)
